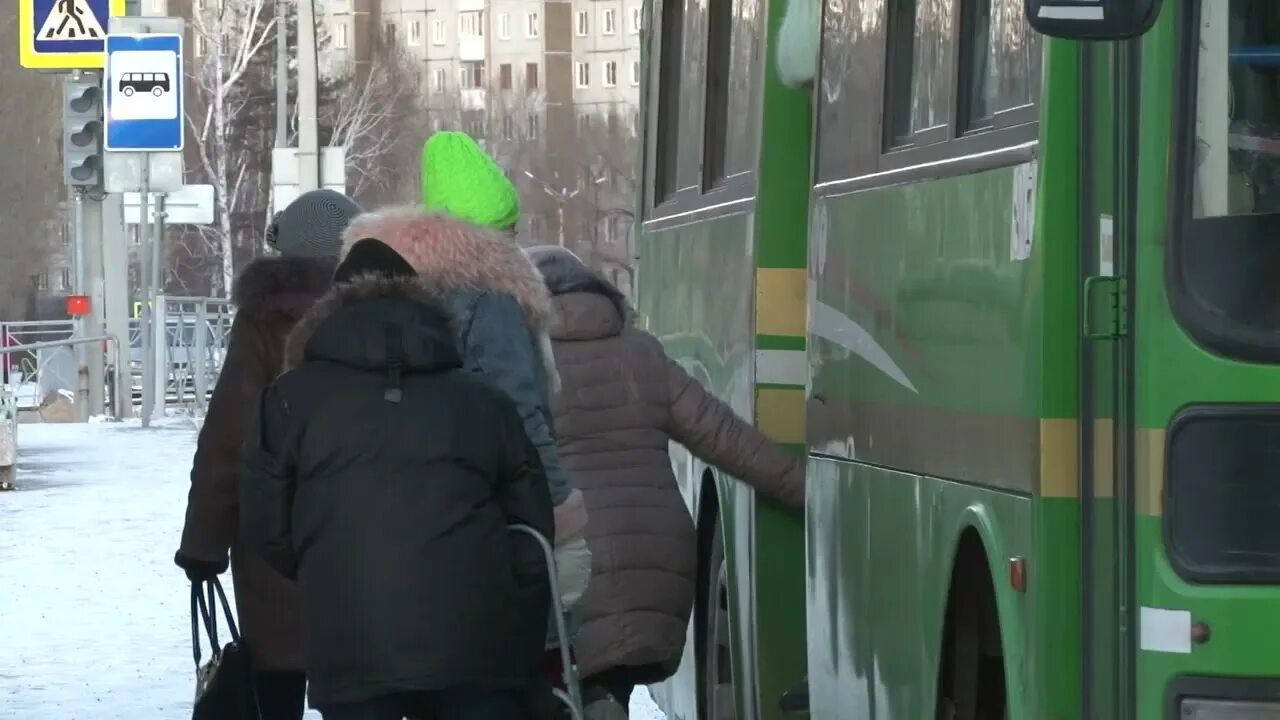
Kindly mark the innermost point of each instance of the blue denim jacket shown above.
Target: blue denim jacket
(495, 341)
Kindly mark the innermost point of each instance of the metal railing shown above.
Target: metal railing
(196, 335)
(109, 342)
(38, 359)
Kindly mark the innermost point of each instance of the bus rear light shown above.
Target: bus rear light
(1018, 573)
(1198, 709)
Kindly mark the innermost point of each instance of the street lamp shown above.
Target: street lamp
(561, 196)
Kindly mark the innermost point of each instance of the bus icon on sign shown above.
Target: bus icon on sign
(155, 83)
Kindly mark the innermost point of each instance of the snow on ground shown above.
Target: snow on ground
(94, 616)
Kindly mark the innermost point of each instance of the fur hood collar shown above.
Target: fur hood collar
(453, 256)
(281, 285)
(430, 314)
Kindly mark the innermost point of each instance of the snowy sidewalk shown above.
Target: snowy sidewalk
(94, 616)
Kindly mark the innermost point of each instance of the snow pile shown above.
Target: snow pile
(94, 616)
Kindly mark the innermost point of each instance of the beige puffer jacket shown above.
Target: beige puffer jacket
(621, 401)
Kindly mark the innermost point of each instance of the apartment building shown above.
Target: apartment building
(529, 78)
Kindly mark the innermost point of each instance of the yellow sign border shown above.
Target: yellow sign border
(32, 60)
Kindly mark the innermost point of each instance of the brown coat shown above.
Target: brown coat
(270, 295)
(621, 401)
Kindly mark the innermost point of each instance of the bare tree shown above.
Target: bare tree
(376, 115)
(232, 34)
(30, 174)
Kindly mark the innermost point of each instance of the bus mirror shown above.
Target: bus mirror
(1092, 19)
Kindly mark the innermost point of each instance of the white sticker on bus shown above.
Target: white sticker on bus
(1106, 246)
(1167, 631)
(1023, 212)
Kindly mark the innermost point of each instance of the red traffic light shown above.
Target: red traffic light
(79, 305)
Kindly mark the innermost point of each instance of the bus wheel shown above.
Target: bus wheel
(971, 678)
(715, 669)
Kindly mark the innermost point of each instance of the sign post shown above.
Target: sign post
(64, 34)
(143, 84)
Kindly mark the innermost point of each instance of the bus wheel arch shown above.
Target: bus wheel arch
(711, 641)
(972, 676)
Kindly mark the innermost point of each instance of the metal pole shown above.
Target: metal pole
(308, 131)
(560, 218)
(116, 295)
(200, 363)
(91, 216)
(81, 323)
(160, 342)
(160, 346)
(282, 75)
(149, 308)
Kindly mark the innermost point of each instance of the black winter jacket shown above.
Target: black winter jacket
(384, 478)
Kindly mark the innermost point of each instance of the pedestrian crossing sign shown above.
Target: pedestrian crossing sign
(65, 34)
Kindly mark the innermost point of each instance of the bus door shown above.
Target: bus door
(1107, 221)
(1180, 365)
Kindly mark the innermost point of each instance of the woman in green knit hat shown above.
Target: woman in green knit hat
(461, 243)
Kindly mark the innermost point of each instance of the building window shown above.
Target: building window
(583, 25)
(535, 227)
(584, 127)
(340, 39)
(504, 76)
(609, 22)
(635, 72)
(415, 33)
(508, 128)
(389, 31)
(42, 281)
(201, 45)
(504, 26)
(469, 23)
(65, 279)
(535, 126)
(438, 85)
(582, 73)
(158, 6)
(531, 76)
(476, 128)
(635, 21)
(611, 74)
(472, 74)
(437, 32)
(531, 25)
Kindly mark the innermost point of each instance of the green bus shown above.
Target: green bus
(1008, 273)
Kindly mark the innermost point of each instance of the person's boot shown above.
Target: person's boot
(605, 708)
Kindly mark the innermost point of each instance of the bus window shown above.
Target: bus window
(1227, 252)
(919, 72)
(667, 141)
(999, 61)
(732, 112)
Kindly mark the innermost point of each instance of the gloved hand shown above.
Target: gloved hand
(199, 570)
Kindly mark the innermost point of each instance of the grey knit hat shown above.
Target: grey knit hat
(312, 225)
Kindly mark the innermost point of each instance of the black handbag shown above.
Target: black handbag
(224, 685)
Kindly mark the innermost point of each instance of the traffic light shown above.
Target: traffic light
(81, 132)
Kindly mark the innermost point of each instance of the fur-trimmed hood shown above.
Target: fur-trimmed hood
(349, 324)
(286, 286)
(455, 257)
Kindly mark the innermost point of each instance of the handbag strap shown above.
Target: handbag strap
(205, 611)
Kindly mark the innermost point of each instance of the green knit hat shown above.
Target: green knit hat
(460, 180)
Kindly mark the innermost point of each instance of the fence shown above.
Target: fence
(39, 359)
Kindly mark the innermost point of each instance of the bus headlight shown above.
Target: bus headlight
(1194, 709)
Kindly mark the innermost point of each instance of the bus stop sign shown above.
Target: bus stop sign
(144, 91)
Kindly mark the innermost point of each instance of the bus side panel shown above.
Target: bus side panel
(881, 546)
(698, 281)
(926, 352)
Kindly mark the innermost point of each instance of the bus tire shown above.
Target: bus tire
(716, 699)
(971, 673)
